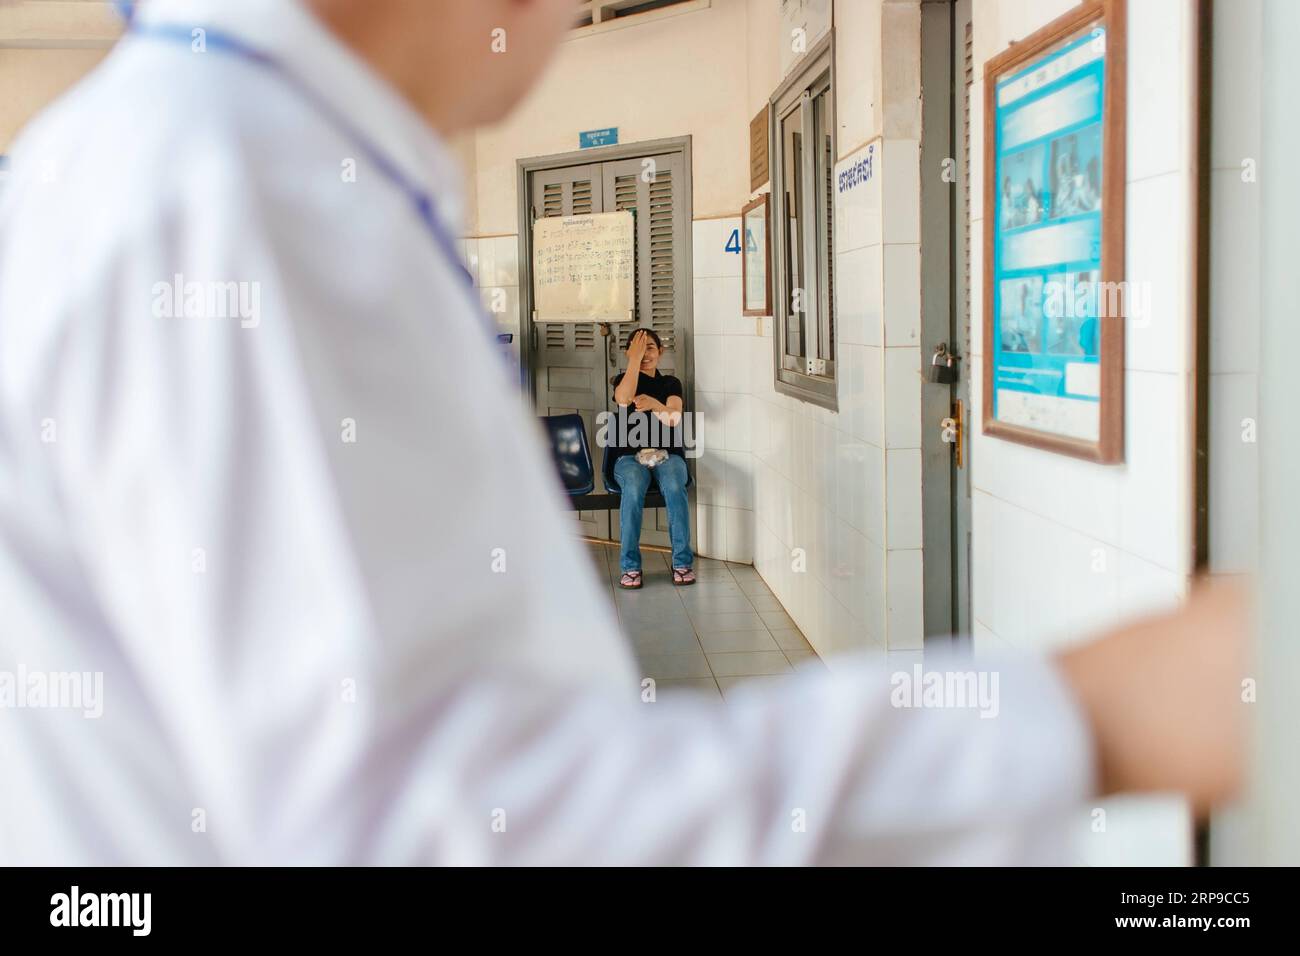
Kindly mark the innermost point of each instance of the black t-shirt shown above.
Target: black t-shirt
(631, 430)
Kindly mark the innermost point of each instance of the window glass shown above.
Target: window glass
(792, 183)
(803, 247)
(825, 128)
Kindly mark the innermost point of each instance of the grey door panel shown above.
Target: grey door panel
(569, 359)
(651, 187)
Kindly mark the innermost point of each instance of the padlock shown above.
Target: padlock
(943, 366)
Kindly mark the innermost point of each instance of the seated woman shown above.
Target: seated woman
(641, 392)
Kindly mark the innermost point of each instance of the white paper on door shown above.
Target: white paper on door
(583, 268)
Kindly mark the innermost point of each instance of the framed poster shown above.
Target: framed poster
(755, 259)
(1054, 287)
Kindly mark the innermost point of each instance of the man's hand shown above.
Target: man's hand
(644, 403)
(1164, 698)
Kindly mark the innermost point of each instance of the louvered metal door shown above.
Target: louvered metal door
(574, 364)
(650, 186)
(570, 365)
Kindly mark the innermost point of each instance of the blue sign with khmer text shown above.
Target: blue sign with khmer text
(598, 137)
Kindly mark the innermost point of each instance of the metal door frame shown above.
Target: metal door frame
(585, 157)
(680, 149)
(963, 506)
(594, 522)
(946, 502)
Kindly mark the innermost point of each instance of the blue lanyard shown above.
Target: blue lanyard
(420, 200)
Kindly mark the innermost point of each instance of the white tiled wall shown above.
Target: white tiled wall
(819, 505)
(1063, 547)
(1032, 504)
(725, 342)
(493, 261)
(1234, 289)
(838, 494)
(1235, 335)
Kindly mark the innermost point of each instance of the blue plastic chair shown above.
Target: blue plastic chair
(572, 455)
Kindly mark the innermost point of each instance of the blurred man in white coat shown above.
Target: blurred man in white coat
(261, 470)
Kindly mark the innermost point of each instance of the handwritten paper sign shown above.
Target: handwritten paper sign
(583, 267)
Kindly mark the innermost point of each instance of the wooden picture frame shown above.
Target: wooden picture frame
(755, 211)
(1066, 36)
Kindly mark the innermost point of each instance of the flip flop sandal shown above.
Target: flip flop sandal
(630, 580)
(683, 576)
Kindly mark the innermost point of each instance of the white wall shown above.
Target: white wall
(1063, 547)
(732, 359)
(1276, 771)
(727, 370)
(31, 79)
(46, 47)
(842, 490)
(683, 75)
(1235, 288)
(638, 79)
(1235, 316)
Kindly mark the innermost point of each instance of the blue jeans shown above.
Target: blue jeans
(634, 479)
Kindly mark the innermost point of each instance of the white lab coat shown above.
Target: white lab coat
(386, 649)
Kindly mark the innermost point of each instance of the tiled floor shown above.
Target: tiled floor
(725, 629)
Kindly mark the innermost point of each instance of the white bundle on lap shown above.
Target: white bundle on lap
(651, 456)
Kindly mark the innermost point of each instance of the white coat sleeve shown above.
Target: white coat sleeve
(823, 770)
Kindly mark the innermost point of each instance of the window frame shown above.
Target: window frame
(812, 76)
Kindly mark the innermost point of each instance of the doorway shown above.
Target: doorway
(947, 72)
(963, 66)
(569, 366)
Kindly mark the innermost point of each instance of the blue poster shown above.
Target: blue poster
(1047, 291)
